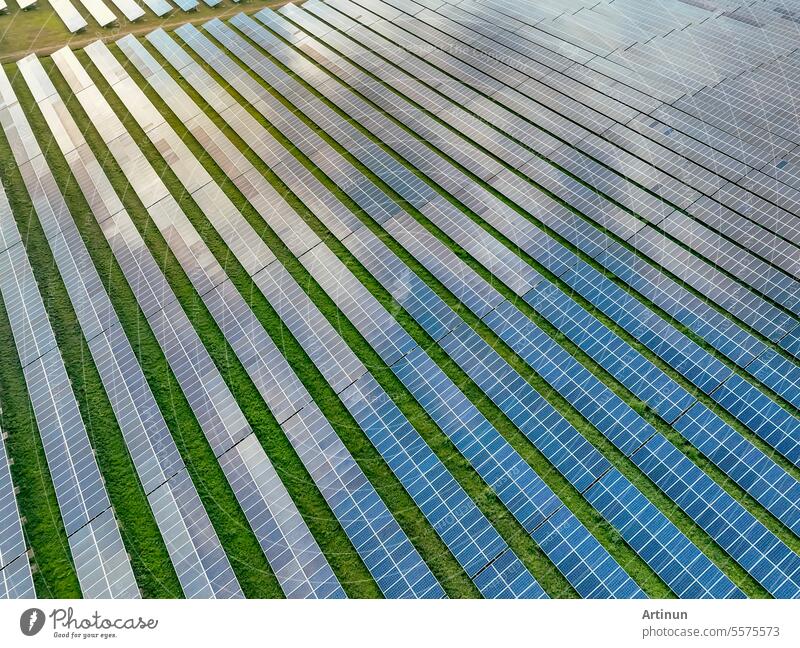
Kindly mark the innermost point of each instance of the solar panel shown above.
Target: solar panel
(129, 9)
(280, 387)
(771, 562)
(196, 553)
(680, 143)
(360, 393)
(15, 571)
(158, 7)
(362, 310)
(73, 21)
(103, 569)
(99, 11)
(186, 5)
(201, 564)
(153, 451)
(736, 268)
(412, 291)
(299, 17)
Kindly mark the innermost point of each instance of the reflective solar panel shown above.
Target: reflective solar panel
(321, 9)
(15, 571)
(610, 158)
(153, 451)
(706, 575)
(204, 570)
(261, 70)
(129, 9)
(391, 433)
(66, 11)
(321, 270)
(660, 382)
(277, 382)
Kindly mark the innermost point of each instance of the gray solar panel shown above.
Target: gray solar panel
(266, 366)
(15, 571)
(103, 570)
(202, 566)
(154, 453)
(627, 365)
(328, 272)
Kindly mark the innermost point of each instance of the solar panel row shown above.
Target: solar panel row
(101, 562)
(505, 470)
(630, 136)
(300, 566)
(421, 302)
(385, 549)
(785, 428)
(15, 570)
(608, 415)
(467, 532)
(540, 115)
(200, 562)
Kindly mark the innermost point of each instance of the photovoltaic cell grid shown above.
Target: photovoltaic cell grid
(101, 562)
(440, 498)
(296, 14)
(606, 418)
(195, 548)
(380, 541)
(15, 570)
(303, 569)
(162, 41)
(365, 310)
(746, 391)
(632, 370)
(663, 189)
(489, 111)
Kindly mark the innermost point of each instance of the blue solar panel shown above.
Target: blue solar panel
(373, 333)
(766, 418)
(342, 43)
(766, 558)
(683, 355)
(777, 491)
(562, 537)
(682, 566)
(605, 410)
(582, 396)
(394, 562)
(792, 342)
(640, 376)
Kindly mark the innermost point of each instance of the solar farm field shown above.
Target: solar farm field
(404, 299)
